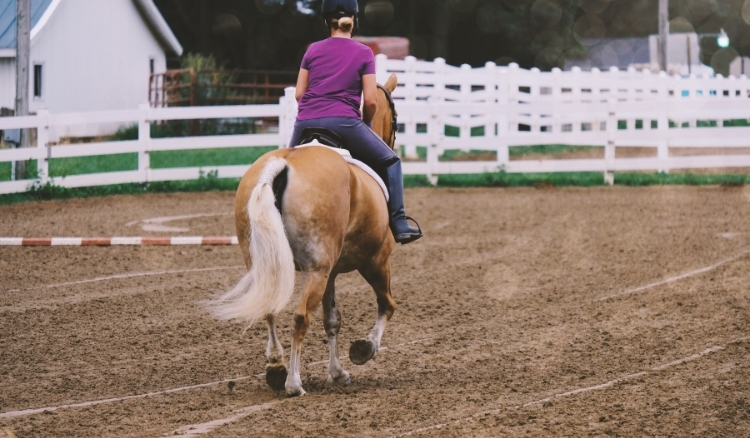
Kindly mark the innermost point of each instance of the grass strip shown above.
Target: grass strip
(93, 164)
(210, 182)
(687, 179)
(504, 179)
(208, 157)
(205, 183)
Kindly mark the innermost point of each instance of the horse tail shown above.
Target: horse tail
(268, 285)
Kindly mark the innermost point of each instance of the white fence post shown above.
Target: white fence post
(662, 128)
(609, 149)
(144, 142)
(42, 144)
(288, 116)
(436, 132)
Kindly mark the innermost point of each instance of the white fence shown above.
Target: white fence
(492, 108)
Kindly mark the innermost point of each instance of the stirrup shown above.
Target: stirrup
(408, 238)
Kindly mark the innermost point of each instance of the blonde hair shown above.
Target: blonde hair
(344, 24)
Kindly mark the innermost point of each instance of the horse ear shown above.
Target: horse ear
(390, 85)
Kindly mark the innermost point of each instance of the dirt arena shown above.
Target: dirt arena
(533, 312)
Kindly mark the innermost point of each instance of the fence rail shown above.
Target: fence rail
(445, 108)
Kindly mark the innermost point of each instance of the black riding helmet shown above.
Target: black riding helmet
(340, 8)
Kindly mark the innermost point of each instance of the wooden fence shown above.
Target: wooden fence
(459, 108)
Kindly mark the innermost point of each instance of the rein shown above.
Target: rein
(394, 116)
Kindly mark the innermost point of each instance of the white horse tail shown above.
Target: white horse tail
(268, 286)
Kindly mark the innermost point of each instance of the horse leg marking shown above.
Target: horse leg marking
(312, 295)
(276, 372)
(378, 274)
(332, 325)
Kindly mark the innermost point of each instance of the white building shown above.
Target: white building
(86, 55)
(683, 55)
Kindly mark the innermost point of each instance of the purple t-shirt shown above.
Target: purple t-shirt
(336, 66)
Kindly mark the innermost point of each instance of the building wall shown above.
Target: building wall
(682, 48)
(7, 82)
(95, 55)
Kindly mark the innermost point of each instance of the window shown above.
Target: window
(37, 80)
(151, 65)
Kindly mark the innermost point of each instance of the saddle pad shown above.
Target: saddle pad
(348, 158)
(341, 151)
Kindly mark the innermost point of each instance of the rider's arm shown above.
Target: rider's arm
(370, 97)
(303, 81)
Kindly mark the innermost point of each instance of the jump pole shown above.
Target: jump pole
(119, 241)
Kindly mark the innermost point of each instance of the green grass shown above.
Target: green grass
(455, 154)
(547, 149)
(48, 191)
(93, 164)
(503, 179)
(514, 151)
(742, 123)
(5, 170)
(690, 179)
(159, 160)
(455, 131)
(208, 157)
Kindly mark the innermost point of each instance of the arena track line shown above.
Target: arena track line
(128, 275)
(604, 385)
(25, 412)
(215, 423)
(675, 278)
(117, 241)
(193, 430)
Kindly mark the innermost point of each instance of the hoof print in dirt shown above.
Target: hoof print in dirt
(276, 376)
(361, 351)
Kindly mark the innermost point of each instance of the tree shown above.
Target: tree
(532, 33)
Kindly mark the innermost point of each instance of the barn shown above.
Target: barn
(86, 55)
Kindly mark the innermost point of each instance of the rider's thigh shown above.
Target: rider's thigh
(365, 145)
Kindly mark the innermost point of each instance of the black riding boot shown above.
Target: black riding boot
(402, 231)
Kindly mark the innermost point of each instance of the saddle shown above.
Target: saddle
(323, 136)
(326, 138)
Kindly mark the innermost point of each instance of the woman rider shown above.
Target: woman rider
(334, 74)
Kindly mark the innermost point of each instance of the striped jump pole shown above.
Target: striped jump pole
(119, 241)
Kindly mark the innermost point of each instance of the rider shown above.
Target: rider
(334, 74)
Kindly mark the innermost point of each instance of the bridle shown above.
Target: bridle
(394, 116)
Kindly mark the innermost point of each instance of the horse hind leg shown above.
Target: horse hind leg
(276, 372)
(378, 274)
(332, 324)
(312, 294)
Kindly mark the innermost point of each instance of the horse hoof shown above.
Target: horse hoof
(361, 351)
(276, 376)
(295, 392)
(343, 379)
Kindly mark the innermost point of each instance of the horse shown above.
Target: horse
(307, 209)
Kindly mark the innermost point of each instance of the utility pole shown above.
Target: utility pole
(23, 47)
(663, 33)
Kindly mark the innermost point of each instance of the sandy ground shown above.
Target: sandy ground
(536, 312)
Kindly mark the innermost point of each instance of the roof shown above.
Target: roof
(8, 20)
(41, 10)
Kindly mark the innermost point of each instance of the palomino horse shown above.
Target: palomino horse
(307, 209)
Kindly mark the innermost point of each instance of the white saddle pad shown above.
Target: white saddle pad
(348, 158)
